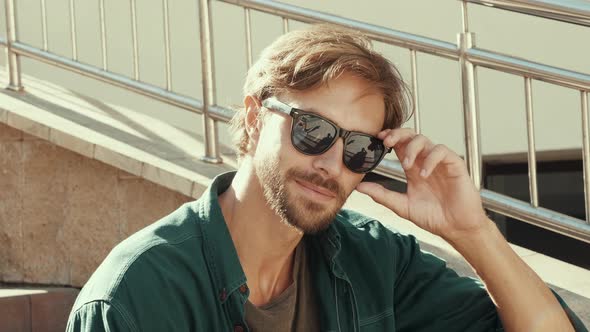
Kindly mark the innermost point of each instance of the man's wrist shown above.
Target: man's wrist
(477, 242)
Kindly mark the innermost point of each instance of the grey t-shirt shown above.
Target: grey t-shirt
(294, 310)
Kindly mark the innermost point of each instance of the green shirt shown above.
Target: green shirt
(182, 273)
(294, 309)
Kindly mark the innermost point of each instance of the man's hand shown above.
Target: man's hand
(442, 200)
(441, 197)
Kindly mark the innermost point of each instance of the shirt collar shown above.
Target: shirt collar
(220, 252)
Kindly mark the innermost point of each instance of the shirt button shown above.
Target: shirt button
(238, 328)
(222, 295)
(243, 289)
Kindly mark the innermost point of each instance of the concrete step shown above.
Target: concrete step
(35, 309)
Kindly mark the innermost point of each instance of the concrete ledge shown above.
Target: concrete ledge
(35, 309)
(92, 134)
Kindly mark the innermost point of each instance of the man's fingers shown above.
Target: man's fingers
(418, 145)
(437, 154)
(383, 134)
(396, 202)
(392, 137)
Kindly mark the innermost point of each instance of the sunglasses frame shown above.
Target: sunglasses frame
(295, 113)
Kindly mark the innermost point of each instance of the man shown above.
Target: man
(268, 248)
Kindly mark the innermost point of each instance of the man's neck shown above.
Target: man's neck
(265, 245)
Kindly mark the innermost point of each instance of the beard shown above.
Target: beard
(300, 212)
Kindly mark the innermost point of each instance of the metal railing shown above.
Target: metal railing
(464, 52)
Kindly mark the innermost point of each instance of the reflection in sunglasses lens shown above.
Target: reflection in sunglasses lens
(313, 135)
(362, 152)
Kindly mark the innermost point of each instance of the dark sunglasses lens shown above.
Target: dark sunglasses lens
(362, 153)
(312, 135)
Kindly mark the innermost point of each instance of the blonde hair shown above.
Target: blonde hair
(310, 58)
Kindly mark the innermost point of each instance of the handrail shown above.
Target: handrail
(480, 57)
(514, 65)
(575, 12)
(375, 32)
(118, 80)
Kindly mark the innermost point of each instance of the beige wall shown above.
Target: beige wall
(501, 96)
(61, 213)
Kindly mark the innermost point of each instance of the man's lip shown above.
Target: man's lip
(317, 189)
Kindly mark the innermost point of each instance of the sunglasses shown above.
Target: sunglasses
(313, 135)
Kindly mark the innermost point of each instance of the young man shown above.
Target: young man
(268, 248)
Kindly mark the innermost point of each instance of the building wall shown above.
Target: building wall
(61, 213)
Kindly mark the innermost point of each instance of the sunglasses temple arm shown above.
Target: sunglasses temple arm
(274, 104)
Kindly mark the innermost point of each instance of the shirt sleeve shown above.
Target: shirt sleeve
(100, 316)
(429, 296)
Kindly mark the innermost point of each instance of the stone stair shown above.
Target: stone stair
(35, 309)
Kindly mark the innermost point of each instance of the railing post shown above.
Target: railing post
(208, 79)
(465, 41)
(586, 152)
(12, 57)
(470, 113)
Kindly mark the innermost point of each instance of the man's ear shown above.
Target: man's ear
(252, 121)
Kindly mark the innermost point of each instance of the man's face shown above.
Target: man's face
(308, 191)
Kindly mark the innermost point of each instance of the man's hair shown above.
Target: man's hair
(310, 58)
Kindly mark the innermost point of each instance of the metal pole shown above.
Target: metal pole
(134, 40)
(167, 46)
(207, 67)
(532, 154)
(586, 152)
(470, 106)
(285, 25)
(44, 24)
(248, 37)
(413, 61)
(464, 16)
(73, 30)
(13, 59)
(103, 36)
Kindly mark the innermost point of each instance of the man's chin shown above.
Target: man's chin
(311, 217)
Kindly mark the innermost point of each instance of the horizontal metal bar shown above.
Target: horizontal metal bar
(479, 57)
(194, 105)
(551, 220)
(534, 70)
(220, 113)
(190, 104)
(511, 207)
(572, 11)
(378, 33)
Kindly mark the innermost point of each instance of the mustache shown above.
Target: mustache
(316, 179)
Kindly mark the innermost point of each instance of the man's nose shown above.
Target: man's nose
(330, 163)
